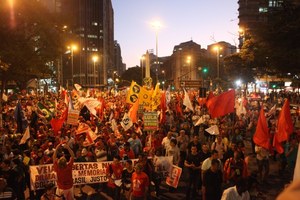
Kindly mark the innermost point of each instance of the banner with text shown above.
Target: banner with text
(86, 172)
(174, 176)
(73, 116)
(150, 121)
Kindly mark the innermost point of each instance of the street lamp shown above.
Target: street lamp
(217, 49)
(142, 65)
(95, 59)
(189, 60)
(156, 25)
(72, 48)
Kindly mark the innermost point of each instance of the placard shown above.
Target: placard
(150, 121)
(73, 116)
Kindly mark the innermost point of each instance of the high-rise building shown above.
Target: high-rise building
(254, 12)
(90, 25)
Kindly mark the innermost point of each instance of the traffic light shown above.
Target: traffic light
(205, 70)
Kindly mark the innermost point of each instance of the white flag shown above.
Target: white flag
(126, 122)
(297, 166)
(26, 136)
(4, 97)
(77, 86)
(213, 130)
(187, 101)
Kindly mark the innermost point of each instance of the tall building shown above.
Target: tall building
(254, 12)
(90, 60)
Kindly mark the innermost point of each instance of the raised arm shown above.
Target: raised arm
(70, 150)
(55, 152)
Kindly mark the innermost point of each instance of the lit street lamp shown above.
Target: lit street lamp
(156, 25)
(95, 59)
(142, 65)
(189, 60)
(217, 49)
(72, 48)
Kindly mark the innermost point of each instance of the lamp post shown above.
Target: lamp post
(142, 65)
(164, 81)
(217, 49)
(156, 26)
(95, 59)
(72, 48)
(189, 60)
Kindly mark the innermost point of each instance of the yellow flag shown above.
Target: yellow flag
(145, 98)
(156, 97)
(133, 93)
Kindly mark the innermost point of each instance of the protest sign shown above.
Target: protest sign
(73, 116)
(86, 172)
(174, 176)
(163, 164)
(150, 121)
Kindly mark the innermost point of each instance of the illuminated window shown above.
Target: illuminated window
(95, 23)
(263, 10)
(92, 36)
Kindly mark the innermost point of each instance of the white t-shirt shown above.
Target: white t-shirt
(232, 194)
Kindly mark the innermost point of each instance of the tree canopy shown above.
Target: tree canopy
(30, 40)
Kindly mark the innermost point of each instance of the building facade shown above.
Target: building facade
(90, 49)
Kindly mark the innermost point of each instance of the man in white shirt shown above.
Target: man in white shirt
(237, 192)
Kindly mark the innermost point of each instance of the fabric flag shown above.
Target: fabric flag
(114, 125)
(240, 109)
(261, 136)
(168, 96)
(284, 126)
(46, 112)
(272, 111)
(77, 86)
(210, 95)
(90, 137)
(133, 93)
(4, 97)
(221, 105)
(186, 101)
(126, 122)
(156, 97)
(132, 113)
(32, 83)
(297, 166)
(56, 125)
(26, 136)
(213, 130)
(20, 118)
(90, 103)
(82, 128)
(144, 98)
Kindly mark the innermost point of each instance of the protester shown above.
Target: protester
(140, 184)
(237, 192)
(6, 193)
(262, 158)
(114, 175)
(63, 169)
(212, 182)
(193, 164)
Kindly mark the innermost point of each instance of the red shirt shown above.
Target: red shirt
(129, 154)
(64, 175)
(116, 173)
(139, 184)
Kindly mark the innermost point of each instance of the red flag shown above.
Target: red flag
(284, 126)
(133, 111)
(261, 136)
(221, 105)
(56, 124)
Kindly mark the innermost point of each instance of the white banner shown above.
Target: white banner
(87, 172)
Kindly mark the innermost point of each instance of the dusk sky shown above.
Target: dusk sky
(205, 22)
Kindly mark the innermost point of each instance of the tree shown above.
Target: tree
(30, 40)
(278, 39)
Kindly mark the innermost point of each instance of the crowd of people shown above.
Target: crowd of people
(214, 166)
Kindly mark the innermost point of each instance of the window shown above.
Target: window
(92, 36)
(95, 23)
(263, 10)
